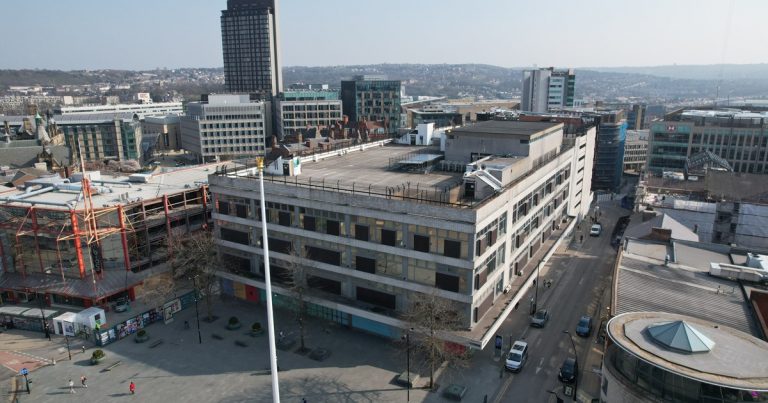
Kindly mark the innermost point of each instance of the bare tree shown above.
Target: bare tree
(298, 287)
(430, 318)
(193, 256)
(156, 290)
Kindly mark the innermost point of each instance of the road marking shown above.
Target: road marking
(539, 367)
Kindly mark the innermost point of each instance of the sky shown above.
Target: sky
(146, 34)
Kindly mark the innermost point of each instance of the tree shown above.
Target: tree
(156, 290)
(430, 318)
(298, 288)
(193, 256)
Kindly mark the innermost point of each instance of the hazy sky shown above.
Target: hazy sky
(144, 34)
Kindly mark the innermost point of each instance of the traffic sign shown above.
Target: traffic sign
(24, 371)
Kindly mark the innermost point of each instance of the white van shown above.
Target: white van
(517, 356)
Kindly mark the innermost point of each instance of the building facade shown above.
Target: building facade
(547, 89)
(47, 247)
(100, 137)
(168, 129)
(609, 155)
(302, 109)
(142, 110)
(226, 126)
(369, 244)
(249, 39)
(372, 98)
(662, 357)
(739, 137)
(635, 150)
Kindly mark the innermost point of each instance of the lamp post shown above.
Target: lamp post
(197, 311)
(42, 315)
(576, 358)
(408, 364)
(536, 290)
(69, 352)
(268, 286)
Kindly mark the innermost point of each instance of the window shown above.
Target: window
(421, 243)
(223, 207)
(235, 236)
(284, 218)
(389, 237)
(324, 284)
(361, 232)
(332, 227)
(241, 210)
(452, 248)
(447, 282)
(309, 223)
(324, 255)
(365, 264)
(374, 297)
(279, 245)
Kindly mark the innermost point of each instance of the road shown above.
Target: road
(579, 278)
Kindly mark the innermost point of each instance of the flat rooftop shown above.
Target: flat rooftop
(736, 360)
(374, 166)
(645, 284)
(160, 183)
(507, 127)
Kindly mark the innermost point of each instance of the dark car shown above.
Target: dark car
(568, 371)
(540, 318)
(584, 327)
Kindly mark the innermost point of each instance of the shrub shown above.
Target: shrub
(141, 333)
(97, 354)
(233, 320)
(256, 327)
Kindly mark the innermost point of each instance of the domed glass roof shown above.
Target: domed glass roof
(679, 335)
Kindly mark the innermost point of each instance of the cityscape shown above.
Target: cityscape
(366, 225)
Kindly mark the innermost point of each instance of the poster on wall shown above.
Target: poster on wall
(170, 308)
(104, 338)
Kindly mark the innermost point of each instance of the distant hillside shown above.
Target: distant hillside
(56, 77)
(698, 72)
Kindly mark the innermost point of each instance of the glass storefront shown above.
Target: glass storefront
(669, 387)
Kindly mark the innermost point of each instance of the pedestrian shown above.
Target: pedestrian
(71, 386)
(83, 348)
(132, 388)
(303, 400)
(186, 324)
(83, 379)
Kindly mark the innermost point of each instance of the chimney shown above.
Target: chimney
(660, 234)
(299, 138)
(274, 143)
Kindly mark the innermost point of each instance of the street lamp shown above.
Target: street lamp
(197, 311)
(408, 363)
(69, 352)
(536, 290)
(42, 315)
(576, 357)
(268, 286)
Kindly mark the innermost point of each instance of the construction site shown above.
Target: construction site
(91, 240)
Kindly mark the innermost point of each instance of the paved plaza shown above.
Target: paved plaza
(360, 368)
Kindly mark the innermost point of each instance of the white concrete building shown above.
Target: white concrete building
(148, 109)
(227, 126)
(379, 223)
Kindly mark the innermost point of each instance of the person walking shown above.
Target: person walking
(83, 348)
(132, 388)
(83, 379)
(71, 386)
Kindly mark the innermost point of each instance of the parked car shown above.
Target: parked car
(568, 371)
(517, 356)
(584, 327)
(540, 318)
(596, 230)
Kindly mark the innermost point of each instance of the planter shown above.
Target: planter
(97, 357)
(96, 361)
(234, 326)
(256, 329)
(141, 336)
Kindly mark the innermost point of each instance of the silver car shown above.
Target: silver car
(540, 318)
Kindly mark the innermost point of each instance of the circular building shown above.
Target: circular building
(663, 357)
